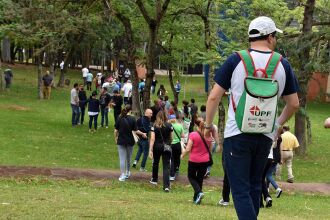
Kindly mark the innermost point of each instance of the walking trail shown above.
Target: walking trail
(74, 173)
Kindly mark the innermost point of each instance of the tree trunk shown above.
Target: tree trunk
(86, 58)
(5, 53)
(221, 122)
(2, 80)
(68, 57)
(51, 57)
(305, 75)
(65, 69)
(39, 59)
(150, 65)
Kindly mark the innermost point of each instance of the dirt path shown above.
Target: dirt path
(73, 173)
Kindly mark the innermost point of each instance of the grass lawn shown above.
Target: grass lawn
(38, 133)
(41, 198)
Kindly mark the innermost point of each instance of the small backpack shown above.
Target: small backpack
(257, 107)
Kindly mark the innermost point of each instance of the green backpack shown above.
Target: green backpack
(257, 107)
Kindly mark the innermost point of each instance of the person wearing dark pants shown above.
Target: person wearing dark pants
(225, 187)
(196, 172)
(175, 160)
(158, 151)
(91, 119)
(199, 156)
(105, 99)
(93, 111)
(160, 146)
(245, 158)
(264, 188)
(246, 150)
(74, 105)
(82, 102)
(176, 146)
(116, 103)
(143, 124)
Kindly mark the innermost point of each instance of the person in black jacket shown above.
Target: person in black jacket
(82, 102)
(105, 99)
(93, 110)
(116, 103)
(143, 125)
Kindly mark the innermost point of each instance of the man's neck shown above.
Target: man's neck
(260, 45)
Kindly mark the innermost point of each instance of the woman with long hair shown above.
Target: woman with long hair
(199, 148)
(160, 146)
(124, 127)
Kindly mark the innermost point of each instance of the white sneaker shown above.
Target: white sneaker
(172, 178)
(223, 203)
(153, 182)
(167, 190)
(269, 202)
(278, 192)
(122, 177)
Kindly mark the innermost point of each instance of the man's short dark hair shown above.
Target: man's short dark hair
(286, 128)
(254, 31)
(203, 108)
(166, 98)
(192, 100)
(75, 85)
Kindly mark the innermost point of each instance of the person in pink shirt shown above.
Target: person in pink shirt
(198, 159)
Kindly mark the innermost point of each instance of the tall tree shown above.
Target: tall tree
(158, 9)
(131, 50)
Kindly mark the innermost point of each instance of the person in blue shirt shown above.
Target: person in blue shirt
(142, 84)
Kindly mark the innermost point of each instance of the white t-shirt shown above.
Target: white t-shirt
(62, 65)
(85, 71)
(127, 88)
(74, 97)
(127, 73)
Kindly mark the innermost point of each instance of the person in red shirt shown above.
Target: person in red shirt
(198, 159)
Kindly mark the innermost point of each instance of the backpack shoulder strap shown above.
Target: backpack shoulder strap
(272, 64)
(247, 62)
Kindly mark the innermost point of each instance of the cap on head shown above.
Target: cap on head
(263, 26)
(172, 117)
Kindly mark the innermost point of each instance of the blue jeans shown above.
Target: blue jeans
(143, 148)
(104, 115)
(245, 157)
(91, 119)
(75, 114)
(269, 175)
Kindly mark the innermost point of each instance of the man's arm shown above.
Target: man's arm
(291, 106)
(212, 105)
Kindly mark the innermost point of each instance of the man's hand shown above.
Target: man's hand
(151, 155)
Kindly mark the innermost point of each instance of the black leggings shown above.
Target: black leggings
(196, 172)
(158, 151)
(175, 159)
(91, 118)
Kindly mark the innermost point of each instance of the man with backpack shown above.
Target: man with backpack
(257, 77)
